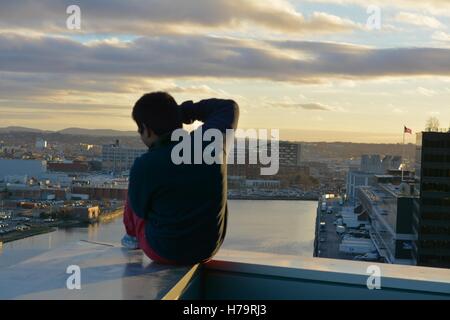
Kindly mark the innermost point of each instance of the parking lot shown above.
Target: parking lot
(329, 240)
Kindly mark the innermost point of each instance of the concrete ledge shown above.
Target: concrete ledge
(338, 279)
(107, 272)
(111, 272)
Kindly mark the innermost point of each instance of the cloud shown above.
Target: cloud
(422, 91)
(314, 106)
(438, 7)
(306, 106)
(151, 17)
(441, 36)
(426, 92)
(311, 106)
(215, 57)
(324, 22)
(360, 62)
(194, 89)
(59, 74)
(87, 88)
(419, 20)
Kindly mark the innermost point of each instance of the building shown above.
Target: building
(432, 209)
(118, 158)
(236, 182)
(263, 184)
(391, 163)
(85, 213)
(244, 159)
(290, 154)
(58, 179)
(374, 163)
(370, 165)
(101, 192)
(34, 192)
(23, 191)
(16, 167)
(71, 166)
(357, 179)
(41, 144)
(390, 210)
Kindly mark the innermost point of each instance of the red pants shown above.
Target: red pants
(135, 227)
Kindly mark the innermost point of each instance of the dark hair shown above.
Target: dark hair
(158, 111)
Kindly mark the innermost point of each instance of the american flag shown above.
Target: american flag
(408, 130)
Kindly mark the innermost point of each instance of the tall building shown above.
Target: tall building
(432, 210)
(290, 153)
(243, 159)
(118, 158)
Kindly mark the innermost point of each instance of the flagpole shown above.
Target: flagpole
(403, 154)
(404, 137)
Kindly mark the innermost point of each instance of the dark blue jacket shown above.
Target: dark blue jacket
(185, 206)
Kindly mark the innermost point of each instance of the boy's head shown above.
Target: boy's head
(155, 114)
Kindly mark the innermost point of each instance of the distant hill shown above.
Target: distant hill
(73, 131)
(96, 132)
(21, 129)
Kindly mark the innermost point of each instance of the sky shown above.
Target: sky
(323, 70)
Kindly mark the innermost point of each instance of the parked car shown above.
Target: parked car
(22, 228)
(367, 256)
(358, 234)
(340, 229)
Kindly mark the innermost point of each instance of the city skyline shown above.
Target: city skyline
(310, 68)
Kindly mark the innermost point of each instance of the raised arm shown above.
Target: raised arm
(214, 113)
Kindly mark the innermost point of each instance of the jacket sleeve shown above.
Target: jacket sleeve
(140, 189)
(214, 113)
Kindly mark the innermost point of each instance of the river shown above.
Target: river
(272, 226)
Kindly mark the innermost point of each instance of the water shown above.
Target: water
(283, 227)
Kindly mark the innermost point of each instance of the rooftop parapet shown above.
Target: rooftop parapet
(110, 272)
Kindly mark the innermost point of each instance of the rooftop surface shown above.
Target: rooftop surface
(107, 272)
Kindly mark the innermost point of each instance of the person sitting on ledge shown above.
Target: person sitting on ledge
(177, 213)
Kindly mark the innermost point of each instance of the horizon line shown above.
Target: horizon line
(312, 136)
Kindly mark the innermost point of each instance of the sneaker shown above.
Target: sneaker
(130, 242)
